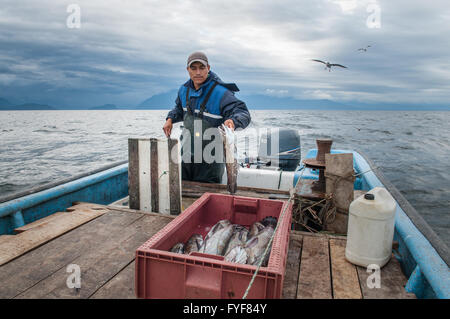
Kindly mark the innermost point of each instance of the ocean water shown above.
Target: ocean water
(411, 148)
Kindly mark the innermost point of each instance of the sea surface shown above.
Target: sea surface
(411, 148)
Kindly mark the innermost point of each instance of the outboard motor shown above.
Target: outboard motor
(280, 147)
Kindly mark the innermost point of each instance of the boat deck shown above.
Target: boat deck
(102, 241)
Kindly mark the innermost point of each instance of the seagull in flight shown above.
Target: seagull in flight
(329, 65)
(364, 49)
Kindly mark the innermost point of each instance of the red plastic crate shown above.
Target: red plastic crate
(163, 274)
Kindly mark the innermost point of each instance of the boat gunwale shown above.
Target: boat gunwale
(429, 253)
(419, 222)
(61, 188)
(409, 226)
(59, 182)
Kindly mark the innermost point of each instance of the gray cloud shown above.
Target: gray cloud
(125, 52)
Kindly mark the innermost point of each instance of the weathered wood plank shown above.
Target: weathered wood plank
(43, 233)
(5, 238)
(323, 235)
(85, 206)
(119, 287)
(38, 264)
(187, 201)
(292, 267)
(133, 172)
(340, 183)
(392, 282)
(343, 274)
(314, 281)
(37, 222)
(123, 202)
(174, 177)
(101, 263)
(340, 179)
(144, 175)
(140, 212)
(198, 187)
(104, 249)
(196, 195)
(154, 177)
(163, 177)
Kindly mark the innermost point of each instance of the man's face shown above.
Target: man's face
(198, 73)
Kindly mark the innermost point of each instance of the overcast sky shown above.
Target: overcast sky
(126, 51)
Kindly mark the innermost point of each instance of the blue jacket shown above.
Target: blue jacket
(222, 104)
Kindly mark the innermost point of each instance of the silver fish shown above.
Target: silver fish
(178, 248)
(256, 246)
(239, 238)
(237, 255)
(255, 229)
(217, 238)
(193, 244)
(230, 152)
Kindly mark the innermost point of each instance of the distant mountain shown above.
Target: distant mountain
(167, 101)
(387, 106)
(266, 102)
(162, 101)
(104, 107)
(28, 106)
(4, 102)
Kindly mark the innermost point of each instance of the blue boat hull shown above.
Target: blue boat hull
(428, 272)
(101, 188)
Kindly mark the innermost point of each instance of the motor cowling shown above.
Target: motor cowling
(280, 147)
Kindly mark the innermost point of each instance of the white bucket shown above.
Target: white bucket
(371, 228)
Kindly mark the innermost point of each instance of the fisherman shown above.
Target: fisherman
(204, 102)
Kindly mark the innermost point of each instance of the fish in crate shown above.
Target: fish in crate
(235, 242)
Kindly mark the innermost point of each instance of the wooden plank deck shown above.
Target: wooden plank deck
(38, 222)
(40, 233)
(104, 248)
(330, 275)
(314, 280)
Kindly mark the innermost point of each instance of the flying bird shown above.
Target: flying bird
(363, 49)
(329, 65)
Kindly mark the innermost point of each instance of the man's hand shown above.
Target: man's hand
(229, 123)
(167, 128)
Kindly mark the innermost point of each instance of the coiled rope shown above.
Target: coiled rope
(291, 197)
